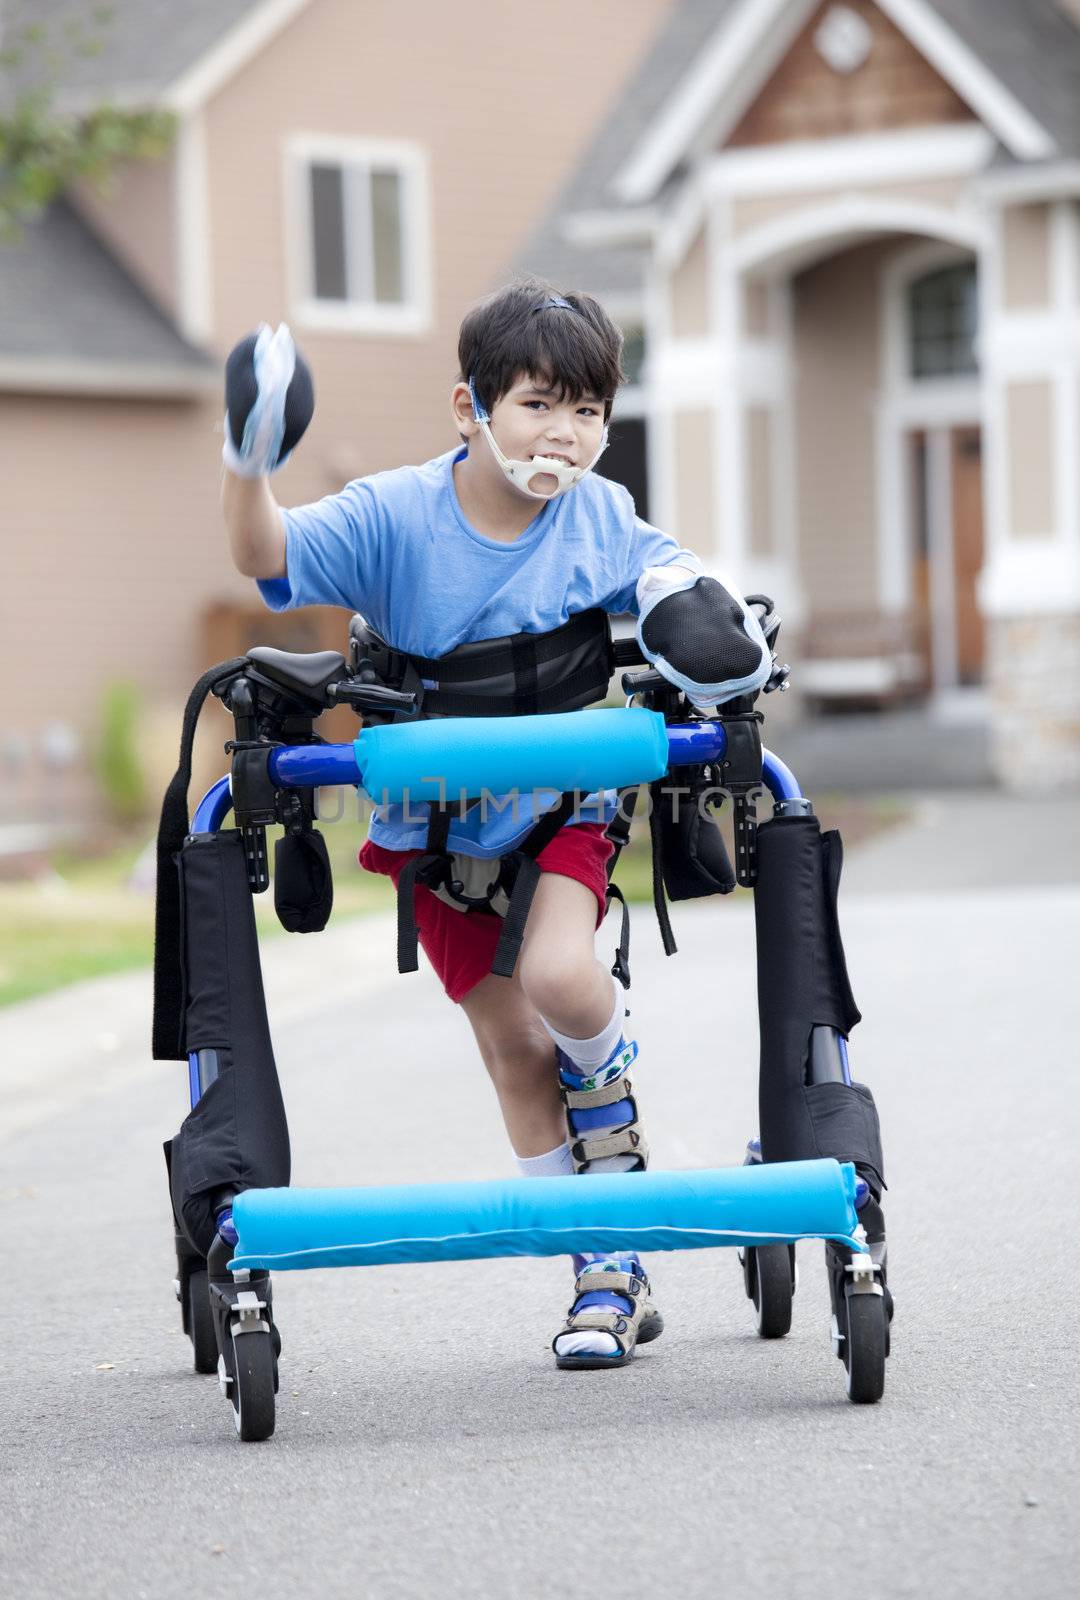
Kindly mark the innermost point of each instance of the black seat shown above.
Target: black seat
(309, 673)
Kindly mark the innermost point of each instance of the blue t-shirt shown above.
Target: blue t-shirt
(396, 547)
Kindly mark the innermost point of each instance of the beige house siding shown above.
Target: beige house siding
(690, 292)
(120, 558)
(339, 71)
(895, 87)
(135, 218)
(1025, 241)
(757, 319)
(695, 522)
(760, 444)
(1030, 433)
(836, 315)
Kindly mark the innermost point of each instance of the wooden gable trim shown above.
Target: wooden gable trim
(894, 88)
(746, 49)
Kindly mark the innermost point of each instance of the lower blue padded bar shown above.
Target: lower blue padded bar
(616, 1212)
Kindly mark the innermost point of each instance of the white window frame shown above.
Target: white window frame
(413, 316)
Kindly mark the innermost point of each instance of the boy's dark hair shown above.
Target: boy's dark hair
(574, 348)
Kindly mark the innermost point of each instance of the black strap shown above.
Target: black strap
(587, 684)
(621, 966)
(431, 869)
(618, 829)
(168, 1025)
(469, 663)
(656, 794)
(521, 865)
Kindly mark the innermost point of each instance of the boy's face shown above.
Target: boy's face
(531, 420)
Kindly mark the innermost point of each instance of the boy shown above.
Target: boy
(508, 534)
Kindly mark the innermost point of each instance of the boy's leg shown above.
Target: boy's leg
(516, 1050)
(582, 1008)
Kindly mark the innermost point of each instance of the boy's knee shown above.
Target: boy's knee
(551, 980)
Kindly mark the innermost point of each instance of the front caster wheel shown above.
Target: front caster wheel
(253, 1384)
(769, 1275)
(865, 1346)
(200, 1323)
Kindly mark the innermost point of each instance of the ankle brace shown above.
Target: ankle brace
(602, 1115)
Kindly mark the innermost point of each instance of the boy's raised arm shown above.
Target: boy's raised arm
(256, 526)
(269, 401)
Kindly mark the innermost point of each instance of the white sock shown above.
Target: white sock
(591, 1053)
(555, 1163)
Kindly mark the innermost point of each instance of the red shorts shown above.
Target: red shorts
(461, 944)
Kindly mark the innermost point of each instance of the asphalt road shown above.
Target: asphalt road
(426, 1445)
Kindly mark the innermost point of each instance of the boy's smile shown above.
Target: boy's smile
(531, 419)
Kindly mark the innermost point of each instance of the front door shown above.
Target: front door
(967, 550)
(948, 552)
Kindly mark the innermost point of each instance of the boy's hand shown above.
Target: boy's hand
(269, 401)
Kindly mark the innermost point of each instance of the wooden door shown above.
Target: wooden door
(967, 530)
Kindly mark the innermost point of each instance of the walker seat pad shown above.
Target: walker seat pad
(452, 757)
(620, 1212)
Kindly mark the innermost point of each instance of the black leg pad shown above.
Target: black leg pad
(237, 1136)
(803, 983)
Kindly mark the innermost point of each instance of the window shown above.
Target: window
(359, 236)
(943, 323)
(633, 354)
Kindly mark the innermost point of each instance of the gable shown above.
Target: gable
(893, 87)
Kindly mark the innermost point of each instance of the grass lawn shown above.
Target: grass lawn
(84, 920)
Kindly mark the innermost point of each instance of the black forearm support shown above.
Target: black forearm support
(803, 982)
(237, 1136)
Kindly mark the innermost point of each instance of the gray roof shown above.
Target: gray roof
(67, 307)
(1031, 46)
(613, 271)
(144, 45)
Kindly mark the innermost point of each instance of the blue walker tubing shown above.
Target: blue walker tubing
(288, 1229)
(443, 759)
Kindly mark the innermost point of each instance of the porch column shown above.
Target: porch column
(1030, 587)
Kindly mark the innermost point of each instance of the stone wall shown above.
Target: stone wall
(1034, 682)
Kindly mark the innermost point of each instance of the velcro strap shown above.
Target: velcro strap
(623, 1142)
(624, 1283)
(614, 1322)
(593, 1099)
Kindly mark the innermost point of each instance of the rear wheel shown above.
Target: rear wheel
(200, 1323)
(773, 1289)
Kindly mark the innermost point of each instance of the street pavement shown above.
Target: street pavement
(425, 1443)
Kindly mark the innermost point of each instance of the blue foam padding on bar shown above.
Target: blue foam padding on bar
(615, 1212)
(606, 749)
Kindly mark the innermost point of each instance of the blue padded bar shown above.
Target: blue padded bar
(620, 1212)
(594, 750)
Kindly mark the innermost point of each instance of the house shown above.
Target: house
(362, 171)
(849, 238)
(843, 239)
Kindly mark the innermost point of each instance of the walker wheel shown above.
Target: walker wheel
(253, 1385)
(865, 1346)
(769, 1274)
(200, 1322)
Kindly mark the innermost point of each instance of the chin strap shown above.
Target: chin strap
(520, 473)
